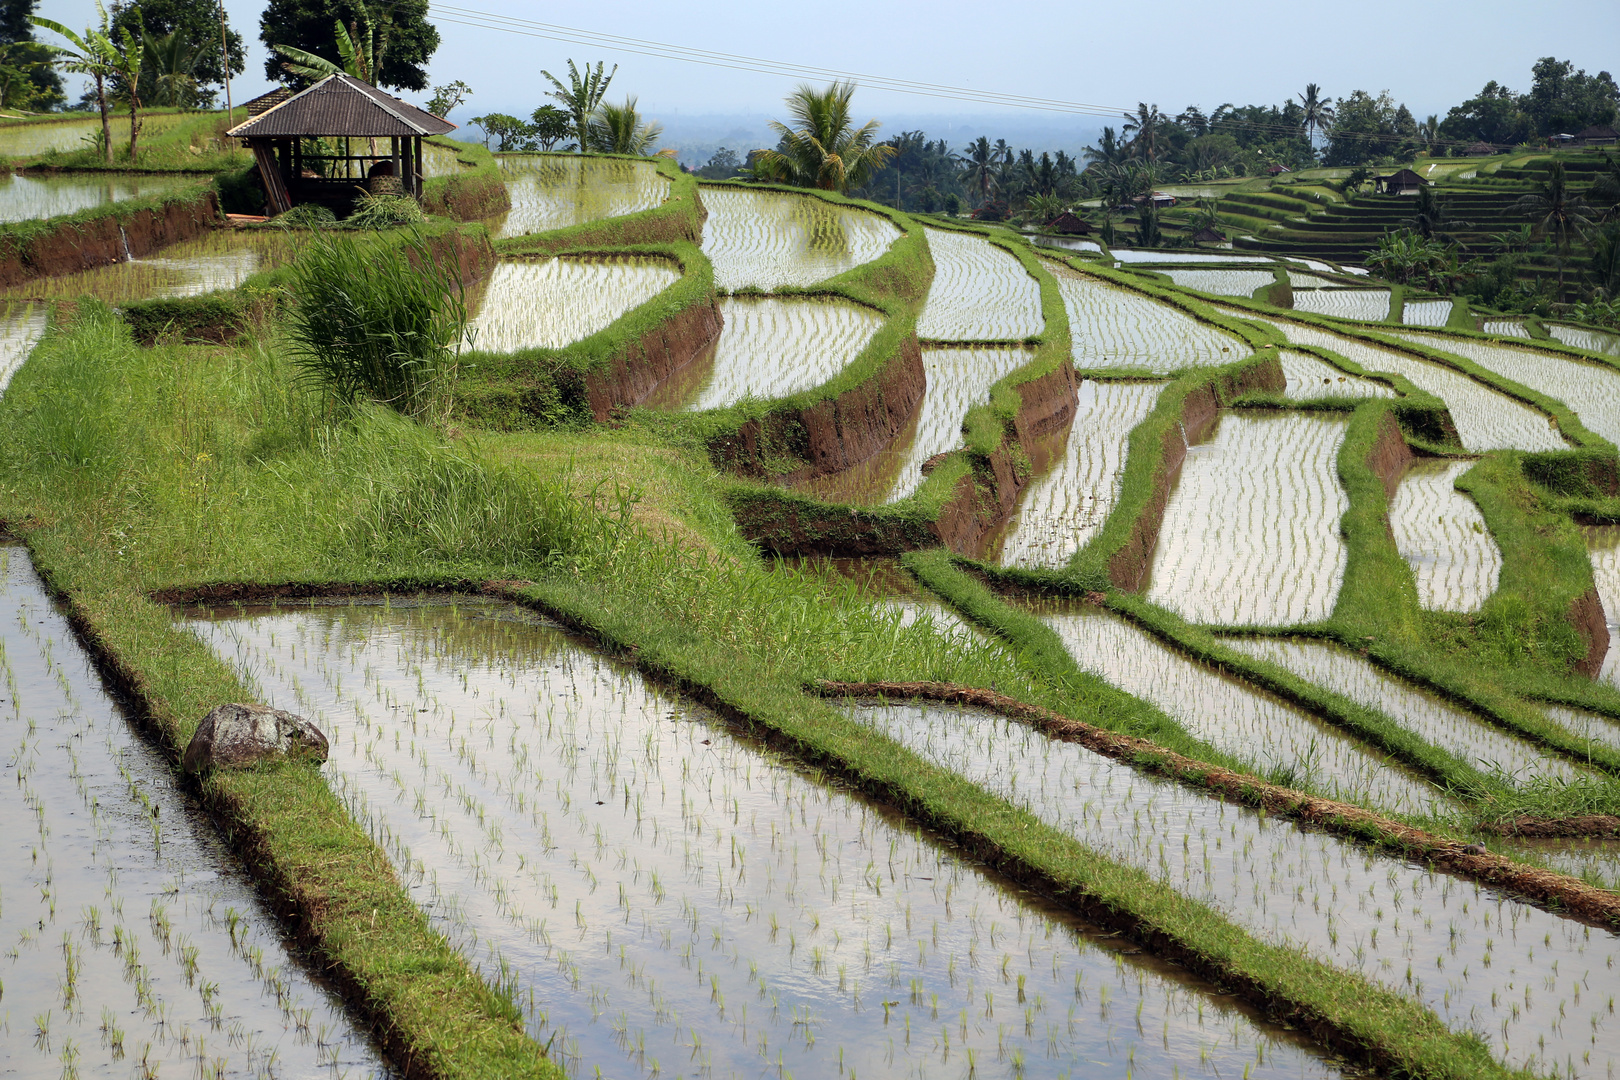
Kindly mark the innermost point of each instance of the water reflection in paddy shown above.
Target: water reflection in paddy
(667, 897)
(42, 195)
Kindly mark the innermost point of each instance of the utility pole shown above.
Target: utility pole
(225, 51)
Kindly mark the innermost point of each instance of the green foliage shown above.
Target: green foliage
(826, 150)
(620, 129)
(384, 212)
(192, 27)
(582, 96)
(404, 39)
(371, 325)
(448, 97)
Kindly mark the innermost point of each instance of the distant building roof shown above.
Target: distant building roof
(1479, 149)
(1277, 170)
(265, 102)
(1207, 235)
(1067, 224)
(1597, 133)
(1404, 177)
(341, 105)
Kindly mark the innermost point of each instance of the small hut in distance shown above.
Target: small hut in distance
(339, 107)
(1068, 224)
(1404, 182)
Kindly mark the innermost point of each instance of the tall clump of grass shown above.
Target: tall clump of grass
(372, 325)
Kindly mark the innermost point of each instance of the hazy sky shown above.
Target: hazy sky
(1171, 52)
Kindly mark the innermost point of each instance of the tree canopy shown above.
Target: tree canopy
(195, 26)
(307, 25)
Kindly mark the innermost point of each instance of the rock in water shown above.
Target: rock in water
(235, 736)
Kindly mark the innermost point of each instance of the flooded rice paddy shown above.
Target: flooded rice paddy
(1596, 341)
(1424, 714)
(1064, 508)
(1365, 305)
(45, 195)
(1535, 987)
(29, 139)
(1276, 739)
(133, 943)
(958, 379)
(1067, 243)
(553, 191)
(1222, 282)
(1442, 536)
(441, 160)
(1426, 312)
(217, 259)
(1505, 328)
(772, 348)
(1598, 861)
(1603, 549)
(979, 293)
(1169, 258)
(527, 305)
(21, 326)
(1485, 418)
(1251, 530)
(1591, 390)
(1309, 377)
(1112, 327)
(665, 898)
(767, 239)
(1298, 280)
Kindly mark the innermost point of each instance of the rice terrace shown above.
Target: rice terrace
(521, 597)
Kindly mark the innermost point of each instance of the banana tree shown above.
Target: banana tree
(92, 54)
(582, 96)
(127, 56)
(361, 53)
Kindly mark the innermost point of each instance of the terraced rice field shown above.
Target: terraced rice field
(1309, 281)
(1309, 377)
(553, 191)
(1432, 719)
(979, 293)
(440, 161)
(1067, 243)
(1529, 982)
(1111, 327)
(134, 943)
(1598, 861)
(1586, 725)
(1485, 418)
(958, 379)
(1170, 258)
(527, 305)
(1426, 312)
(21, 325)
(1596, 341)
(1275, 738)
(1603, 549)
(216, 260)
(27, 140)
(767, 239)
(1505, 328)
(1222, 282)
(773, 348)
(1442, 536)
(1251, 531)
(1591, 390)
(1063, 509)
(27, 198)
(665, 897)
(1365, 305)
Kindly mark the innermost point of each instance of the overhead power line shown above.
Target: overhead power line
(487, 20)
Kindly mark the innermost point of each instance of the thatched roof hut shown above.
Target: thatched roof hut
(1597, 135)
(1067, 224)
(338, 107)
(1478, 149)
(1207, 235)
(1405, 182)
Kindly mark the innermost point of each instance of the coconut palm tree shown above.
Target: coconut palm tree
(1557, 213)
(980, 170)
(826, 150)
(1317, 110)
(93, 55)
(170, 63)
(582, 96)
(1108, 151)
(1143, 127)
(619, 129)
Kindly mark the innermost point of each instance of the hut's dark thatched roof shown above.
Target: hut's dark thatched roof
(341, 105)
(1207, 235)
(265, 102)
(1598, 131)
(1068, 224)
(1403, 178)
(1479, 149)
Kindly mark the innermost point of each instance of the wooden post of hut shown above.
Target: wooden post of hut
(338, 107)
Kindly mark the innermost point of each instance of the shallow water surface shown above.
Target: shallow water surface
(1534, 986)
(771, 348)
(215, 260)
(43, 195)
(1222, 282)
(27, 140)
(767, 239)
(130, 933)
(958, 379)
(667, 898)
(1505, 328)
(1603, 550)
(553, 191)
(1366, 305)
(1251, 531)
(21, 327)
(1426, 312)
(1278, 740)
(1068, 505)
(1597, 341)
(979, 292)
(1113, 327)
(1441, 534)
(549, 304)
(1309, 377)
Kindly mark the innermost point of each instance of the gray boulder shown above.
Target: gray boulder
(235, 736)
